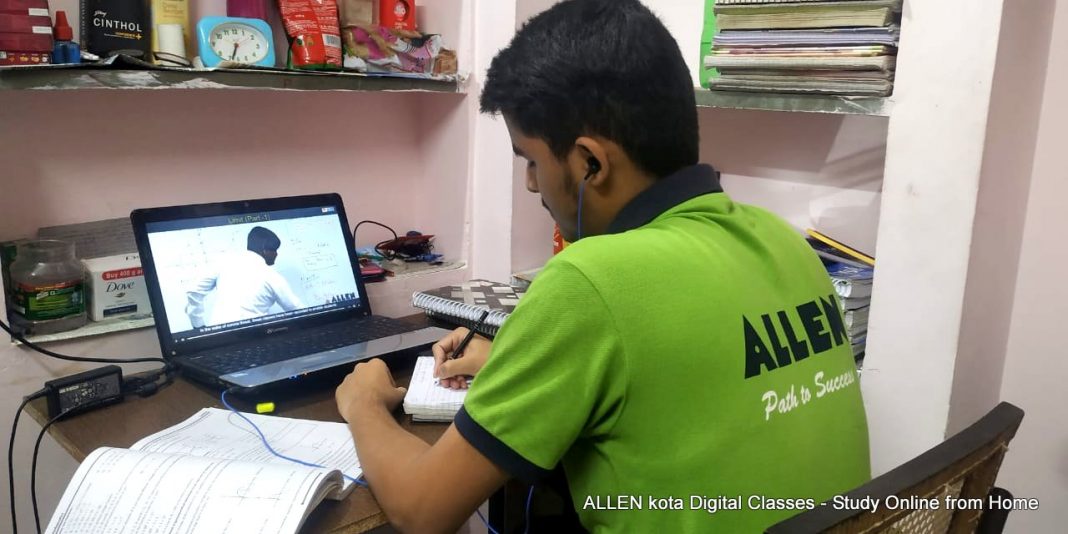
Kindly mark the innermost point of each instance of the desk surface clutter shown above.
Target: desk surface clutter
(125, 424)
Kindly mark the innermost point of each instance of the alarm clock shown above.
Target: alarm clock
(240, 40)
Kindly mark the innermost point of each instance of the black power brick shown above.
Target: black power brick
(84, 391)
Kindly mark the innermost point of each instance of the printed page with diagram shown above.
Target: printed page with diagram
(133, 492)
(211, 474)
(223, 434)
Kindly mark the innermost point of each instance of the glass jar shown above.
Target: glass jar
(48, 288)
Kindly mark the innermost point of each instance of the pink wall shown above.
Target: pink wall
(79, 156)
(1008, 159)
(819, 171)
(1036, 365)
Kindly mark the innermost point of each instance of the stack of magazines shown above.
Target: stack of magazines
(852, 273)
(853, 285)
(841, 47)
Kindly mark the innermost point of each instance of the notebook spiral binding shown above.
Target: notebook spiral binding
(460, 313)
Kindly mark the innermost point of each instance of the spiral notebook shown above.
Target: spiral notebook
(462, 305)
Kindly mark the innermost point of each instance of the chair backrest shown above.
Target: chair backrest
(962, 467)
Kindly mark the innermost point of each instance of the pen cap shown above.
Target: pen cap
(62, 30)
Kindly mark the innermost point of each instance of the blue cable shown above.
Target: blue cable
(274, 452)
(526, 527)
(485, 522)
(582, 187)
(530, 494)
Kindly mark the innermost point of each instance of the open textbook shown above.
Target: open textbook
(210, 474)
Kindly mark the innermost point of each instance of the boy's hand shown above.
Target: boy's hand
(370, 385)
(452, 373)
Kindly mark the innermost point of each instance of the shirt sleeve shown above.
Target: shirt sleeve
(195, 296)
(555, 375)
(283, 294)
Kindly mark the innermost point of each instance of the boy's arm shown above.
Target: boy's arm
(421, 488)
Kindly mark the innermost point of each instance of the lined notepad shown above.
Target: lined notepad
(426, 400)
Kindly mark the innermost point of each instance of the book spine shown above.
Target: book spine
(842, 247)
(847, 289)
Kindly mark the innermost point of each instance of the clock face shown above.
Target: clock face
(241, 43)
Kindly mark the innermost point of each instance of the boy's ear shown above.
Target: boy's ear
(589, 159)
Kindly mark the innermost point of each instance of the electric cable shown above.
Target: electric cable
(380, 252)
(142, 385)
(526, 527)
(10, 456)
(271, 449)
(33, 467)
(485, 522)
(59, 356)
(530, 496)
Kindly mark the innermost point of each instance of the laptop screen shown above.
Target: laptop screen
(224, 273)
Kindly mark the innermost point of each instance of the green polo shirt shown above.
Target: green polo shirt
(689, 369)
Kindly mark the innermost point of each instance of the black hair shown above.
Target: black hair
(260, 239)
(599, 67)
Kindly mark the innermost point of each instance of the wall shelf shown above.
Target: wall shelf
(841, 105)
(93, 328)
(59, 78)
(406, 276)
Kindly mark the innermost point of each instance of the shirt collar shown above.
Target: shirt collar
(665, 194)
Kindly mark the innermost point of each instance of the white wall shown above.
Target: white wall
(1012, 131)
(815, 171)
(491, 184)
(1036, 366)
(933, 161)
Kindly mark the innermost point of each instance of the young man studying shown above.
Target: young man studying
(686, 350)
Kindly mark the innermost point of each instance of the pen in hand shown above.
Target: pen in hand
(459, 351)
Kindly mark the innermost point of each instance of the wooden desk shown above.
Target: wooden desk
(124, 424)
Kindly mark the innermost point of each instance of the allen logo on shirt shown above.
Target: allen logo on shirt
(772, 341)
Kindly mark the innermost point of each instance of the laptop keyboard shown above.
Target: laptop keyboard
(311, 341)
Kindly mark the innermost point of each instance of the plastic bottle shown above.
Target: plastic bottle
(64, 50)
(48, 288)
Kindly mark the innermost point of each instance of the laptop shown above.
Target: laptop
(255, 293)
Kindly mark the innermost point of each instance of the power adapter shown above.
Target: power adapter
(84, 391)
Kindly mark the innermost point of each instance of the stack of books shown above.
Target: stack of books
(853, 285)
(852, 272)
(840, 47)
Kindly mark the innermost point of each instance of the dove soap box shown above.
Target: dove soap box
(115, 286)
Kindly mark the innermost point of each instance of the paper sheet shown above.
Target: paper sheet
(216, 433)
(120, 491)
(426, 400)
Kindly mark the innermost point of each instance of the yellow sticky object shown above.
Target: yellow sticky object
(265, 407)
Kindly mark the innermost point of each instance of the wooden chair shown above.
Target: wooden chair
(962, 467)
